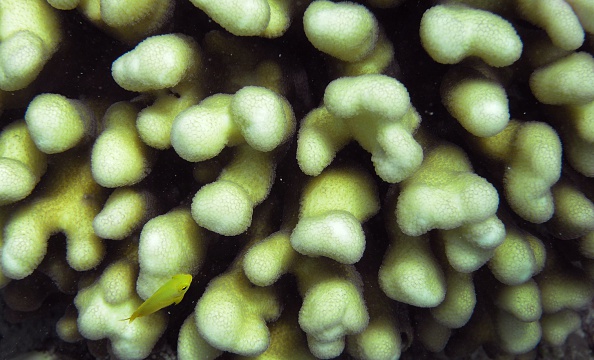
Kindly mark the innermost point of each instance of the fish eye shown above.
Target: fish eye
(184, 288)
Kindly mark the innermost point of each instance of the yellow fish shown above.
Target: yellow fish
(172, 291)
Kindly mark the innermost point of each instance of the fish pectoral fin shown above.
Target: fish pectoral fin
(177, 300)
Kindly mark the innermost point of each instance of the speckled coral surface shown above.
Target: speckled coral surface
(410, 61)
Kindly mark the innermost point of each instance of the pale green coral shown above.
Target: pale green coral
(410, 273)
(382, 339)
(267, 260)
(226, 205)
(329, 240)
(57, 123)
(337, 235)
(584, 10)
(119, 157)
(515, 336)
(232, 314)
(514, 261)
(379, 61)
(191, 345)
(254, 115)
(563, 288)
(169, 244)
(469, 246)
(333, 206)
(575, 124)
(558, 326)
(120, 19)
(557, 18)
(578, 136)
(21, 163)
(345, 30)
(269, 18)
(154, 122)
(333, 305)
(574, 212)
(531, 154)
(539, 251)
(320, 137)
(375, 111)
(125, 211)
(474, 96)
(431, 334)
(444, 194)
(264, 118)
(458, 305)
(111, 298)
(125, 12)
(30, 34)
(450, 33)
(202, 131)
(64, 4)
(287, 341)
(522, 300)
(68, 203)
(569, 80)
(67, 326)
(158, 62)
(535, 166)
(170, 65)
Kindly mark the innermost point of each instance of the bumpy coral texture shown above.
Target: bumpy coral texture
(369, 180)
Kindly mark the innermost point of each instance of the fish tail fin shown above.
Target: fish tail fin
(130, 319)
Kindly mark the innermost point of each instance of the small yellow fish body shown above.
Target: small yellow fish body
(172, 291)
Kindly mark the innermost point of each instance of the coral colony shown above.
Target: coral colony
(340, 178)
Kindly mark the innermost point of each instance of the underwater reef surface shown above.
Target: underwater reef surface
(378, 179)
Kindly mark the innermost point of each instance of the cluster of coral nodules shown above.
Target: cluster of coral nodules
(467, 224)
